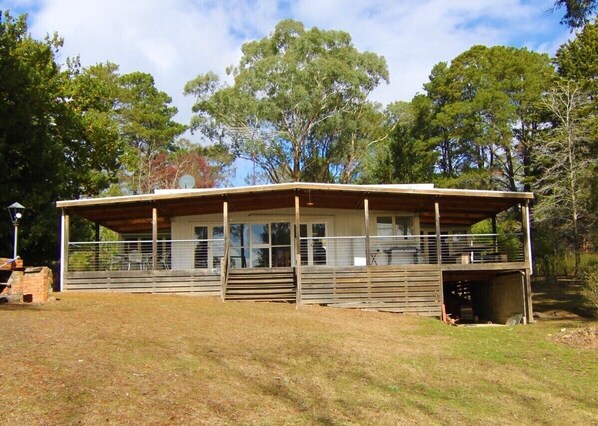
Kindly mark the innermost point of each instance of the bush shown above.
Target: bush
(590, 285)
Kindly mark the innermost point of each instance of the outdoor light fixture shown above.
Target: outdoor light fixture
(309, 202)
(15, 210)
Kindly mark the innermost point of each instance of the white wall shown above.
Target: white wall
(339, 222)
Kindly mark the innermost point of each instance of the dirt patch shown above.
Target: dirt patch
(586, 337)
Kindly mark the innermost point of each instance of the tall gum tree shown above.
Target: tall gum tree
(298, 106)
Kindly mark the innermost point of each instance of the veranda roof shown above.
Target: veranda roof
(133, 213)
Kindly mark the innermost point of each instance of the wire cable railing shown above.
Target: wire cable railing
(315, 251)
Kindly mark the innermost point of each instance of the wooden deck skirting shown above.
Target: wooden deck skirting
(189, 281)
(413, 289)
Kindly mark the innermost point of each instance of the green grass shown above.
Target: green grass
(131, 359)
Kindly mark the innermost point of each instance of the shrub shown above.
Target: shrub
(590, 285)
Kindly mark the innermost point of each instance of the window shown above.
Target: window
(313, 244)
(239, 245)
(281, 244)
(394, 225)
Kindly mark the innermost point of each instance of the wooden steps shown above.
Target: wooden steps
(261, 285)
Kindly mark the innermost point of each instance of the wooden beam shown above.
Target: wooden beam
(298, 249)
(96, 253)
(64, 244)
(366, 211)
(224, 261)
(437, 226)
(154, 238)
(527, 253)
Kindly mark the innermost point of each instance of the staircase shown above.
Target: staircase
(261, 285)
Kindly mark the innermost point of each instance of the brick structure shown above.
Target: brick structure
(20, 284)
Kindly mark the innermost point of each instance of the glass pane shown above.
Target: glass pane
(281, 256)
(404, 225)
(260, 258)
(384, 226)
(318, 230)
(201, 232)
(260, 234)
(239, 257)
(239, 235)
(281, 234)
(218, 232)
(303, 243)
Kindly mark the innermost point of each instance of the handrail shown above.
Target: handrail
(224, 271)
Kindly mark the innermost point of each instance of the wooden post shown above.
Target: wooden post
(366, 210)
(224, 260)
(154, 238)
(528, 259)
(437, 223)
(439, 253)
(96, 253)
(298, 249)
(64, 247)
(494, 236)
(527, 250)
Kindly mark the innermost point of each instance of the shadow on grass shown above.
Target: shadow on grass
(561, 299)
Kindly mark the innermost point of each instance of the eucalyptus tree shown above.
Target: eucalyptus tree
(568, 168)
(298, 105)
(577, 64)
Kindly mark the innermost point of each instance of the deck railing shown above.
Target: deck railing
(138, 255)
(329, 251)
(413, 249)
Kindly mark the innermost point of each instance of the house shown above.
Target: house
(399, 248)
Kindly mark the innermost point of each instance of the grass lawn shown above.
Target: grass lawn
(149, 359)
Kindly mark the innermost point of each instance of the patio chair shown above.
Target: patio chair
(135, 258)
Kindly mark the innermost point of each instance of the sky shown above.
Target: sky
(175, 40)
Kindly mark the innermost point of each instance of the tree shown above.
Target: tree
(298, 107)
(486, 115)
(577, 61)
(94, 95)
(563, 188)
(35, 131)
(148, 128)
(209, 166)
(404, 156)
(65, 133)
(577, 12)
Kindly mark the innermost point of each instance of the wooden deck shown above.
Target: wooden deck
(411, 288)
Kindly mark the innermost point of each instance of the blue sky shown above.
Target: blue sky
(175, 40)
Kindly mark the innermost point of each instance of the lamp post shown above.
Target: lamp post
(15, 210)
